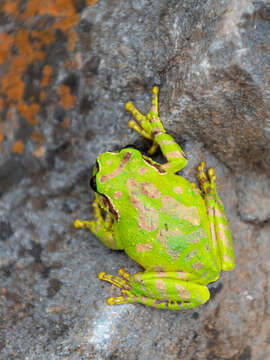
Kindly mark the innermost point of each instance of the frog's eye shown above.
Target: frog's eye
(93, 183)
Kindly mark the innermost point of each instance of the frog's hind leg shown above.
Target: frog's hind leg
(220, 230)
(161, 290)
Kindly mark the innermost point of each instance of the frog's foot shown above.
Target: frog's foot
(160, 290)
(150, 125)
(92, 225)
(207, 182)
(101, 227)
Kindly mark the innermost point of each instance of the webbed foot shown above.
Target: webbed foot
(150, 125)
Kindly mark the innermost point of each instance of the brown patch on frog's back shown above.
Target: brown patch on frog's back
(178, 190)
(142, 170)
(143, 247)
(174, 208)
(118, 170)
(149, 190)
(117, 195)
(148, 218)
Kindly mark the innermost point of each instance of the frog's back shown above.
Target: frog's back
(172, 229)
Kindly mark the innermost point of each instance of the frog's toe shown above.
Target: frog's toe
(140, 118)
(124, 274)
(126, 298)
(81, 224)
(115, 280)
(206, 181)
(211, 175)
(153, 148)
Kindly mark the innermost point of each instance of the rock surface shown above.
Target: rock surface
(67, 68)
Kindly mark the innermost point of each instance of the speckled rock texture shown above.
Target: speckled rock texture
(66, 70)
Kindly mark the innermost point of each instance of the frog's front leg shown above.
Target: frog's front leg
(150, 127)
(101, 228)
(163, 290)
(219, 226)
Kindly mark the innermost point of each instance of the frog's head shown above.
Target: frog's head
(110, 175)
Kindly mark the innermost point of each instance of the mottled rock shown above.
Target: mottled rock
(254, 197)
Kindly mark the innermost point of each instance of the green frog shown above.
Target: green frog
(176, 231)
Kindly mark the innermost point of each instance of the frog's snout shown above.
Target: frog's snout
(93, 183)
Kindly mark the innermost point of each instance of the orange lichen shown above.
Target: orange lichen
(37, 136)
(5, 43)
(53, 8)
(11, 83)
(72, 41)
(18, 147)
(67, 100)
(47, 72)
(42, 95)
(1, 104)
(65, 123)
(1, 137)
(42, 38)
(68, 64)
(91, 2)
(29, 112)
(11, 7)
(27, 49)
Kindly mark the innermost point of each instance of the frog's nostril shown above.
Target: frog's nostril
(93, 183)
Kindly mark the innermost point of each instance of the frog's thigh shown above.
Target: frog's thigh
(167, 290)
(219, 226)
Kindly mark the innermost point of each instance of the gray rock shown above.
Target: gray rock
(254, 197)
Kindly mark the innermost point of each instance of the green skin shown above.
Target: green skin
(177, 232)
